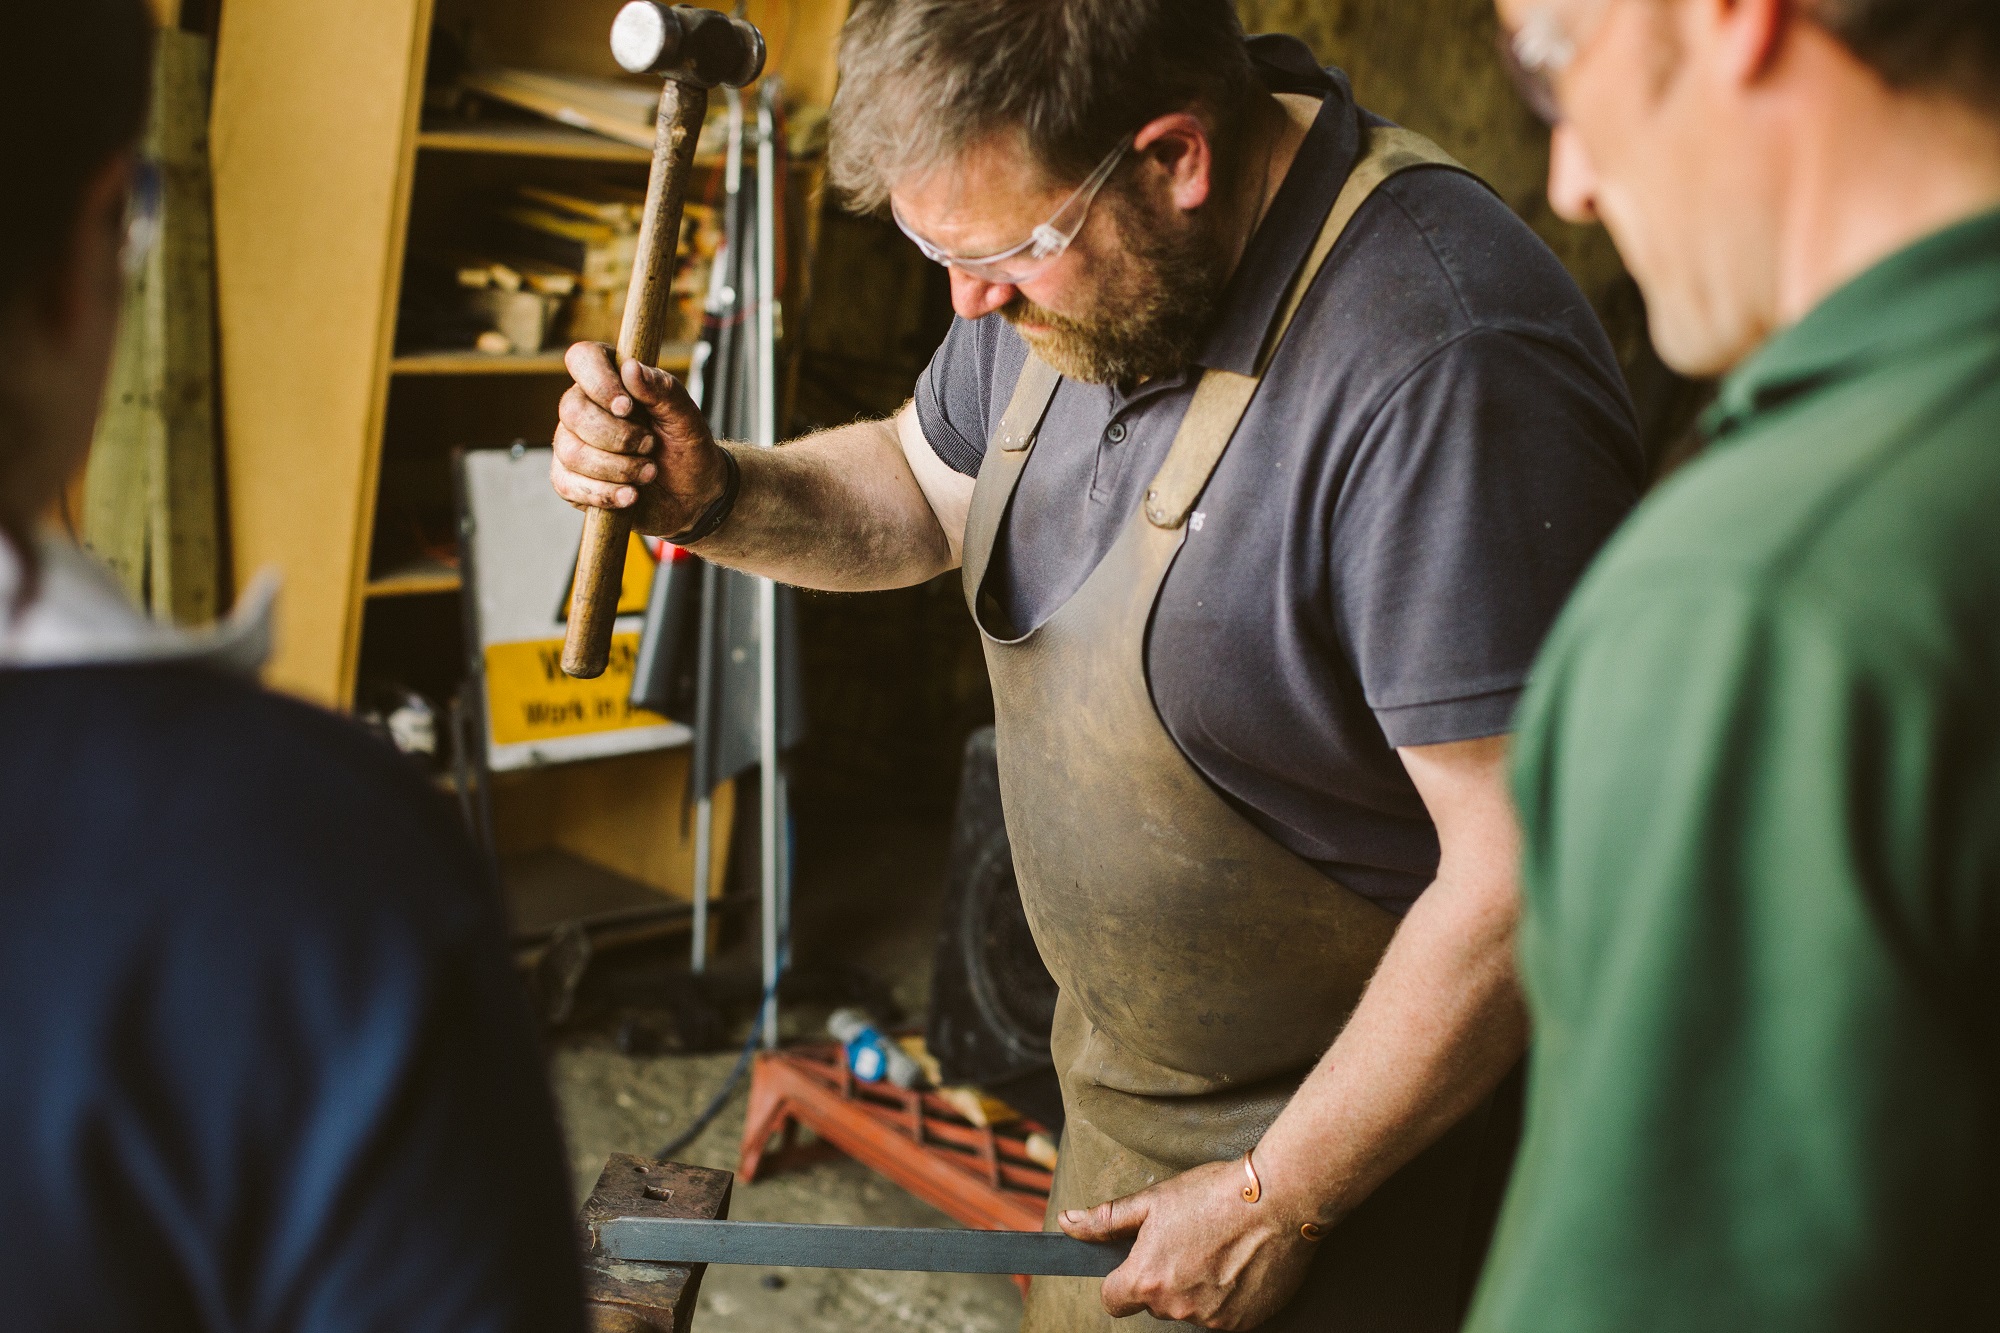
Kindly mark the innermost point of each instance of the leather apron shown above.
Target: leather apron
(1203, 967)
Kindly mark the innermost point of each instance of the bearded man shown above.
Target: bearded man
(1269, 443)
(1760, 768)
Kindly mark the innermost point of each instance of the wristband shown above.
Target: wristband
(708, 520)
(1254, 1192)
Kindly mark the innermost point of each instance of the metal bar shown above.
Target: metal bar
(629, 916)
(767, 591)
(903, 1249)
(704, 831)
(708, 385)
(784, 867)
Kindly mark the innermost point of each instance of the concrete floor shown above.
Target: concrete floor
(867, 894)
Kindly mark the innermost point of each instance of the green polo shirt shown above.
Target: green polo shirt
(1759, 777)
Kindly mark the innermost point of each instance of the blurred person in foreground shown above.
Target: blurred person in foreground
(262, 1062)
(1759, 763)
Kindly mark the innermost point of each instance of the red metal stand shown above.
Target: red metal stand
(979, 1175)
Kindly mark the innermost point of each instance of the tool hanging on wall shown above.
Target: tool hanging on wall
(703, 653)
(696, 50)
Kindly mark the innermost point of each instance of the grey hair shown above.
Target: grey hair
(1941, 46)
(923, 80)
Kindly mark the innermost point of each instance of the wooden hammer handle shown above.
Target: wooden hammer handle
(600, 562)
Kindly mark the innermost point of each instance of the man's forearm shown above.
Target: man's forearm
(838, 511)
(1439, 1025)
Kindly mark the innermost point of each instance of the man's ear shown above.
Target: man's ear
(1750, 34)
(89, 274)
(1177, 146)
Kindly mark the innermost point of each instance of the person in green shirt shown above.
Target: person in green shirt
(1758, 768)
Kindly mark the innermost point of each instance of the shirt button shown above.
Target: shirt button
(1116, 434)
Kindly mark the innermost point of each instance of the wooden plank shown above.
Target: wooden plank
(114, 486)
(181, 462)
(426, 576)
(627, 814)
(674, 357)
(313, 142)
(557, 141)
(149, 491)
(476, 363)
(623, 108)
(506, 139)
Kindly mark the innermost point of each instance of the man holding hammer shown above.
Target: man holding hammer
(1269, 443)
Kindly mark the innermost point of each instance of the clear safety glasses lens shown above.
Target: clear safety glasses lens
(142, 215)
(1045, 244)
(1541, 48)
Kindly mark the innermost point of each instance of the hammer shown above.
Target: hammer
(694, 49)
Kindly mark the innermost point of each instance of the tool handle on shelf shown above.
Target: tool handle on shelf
(600, 560)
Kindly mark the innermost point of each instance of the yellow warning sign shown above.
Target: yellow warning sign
(635, 589)
(528, 698)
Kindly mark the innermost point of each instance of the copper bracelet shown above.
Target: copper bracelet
(1254, 1191)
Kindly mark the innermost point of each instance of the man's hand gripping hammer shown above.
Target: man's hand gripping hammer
(695, 49)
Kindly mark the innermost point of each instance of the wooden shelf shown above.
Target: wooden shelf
(414, 580)
(675, 357)
(531, 141)
(506, 139)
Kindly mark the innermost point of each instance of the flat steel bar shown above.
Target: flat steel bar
(662, 1240)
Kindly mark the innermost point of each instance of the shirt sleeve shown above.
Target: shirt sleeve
(1476, 498)
(1758, 952)
(955, 393)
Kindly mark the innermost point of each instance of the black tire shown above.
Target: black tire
(992, 1000)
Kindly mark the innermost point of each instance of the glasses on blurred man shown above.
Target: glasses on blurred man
(1542, 47)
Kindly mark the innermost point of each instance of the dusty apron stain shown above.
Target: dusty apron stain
(1203, 967)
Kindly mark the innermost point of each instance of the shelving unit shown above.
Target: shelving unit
(415, 579)
(328, 178)
(531, 141)
(479, 363)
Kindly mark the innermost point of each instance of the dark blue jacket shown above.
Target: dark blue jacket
(263, 1064)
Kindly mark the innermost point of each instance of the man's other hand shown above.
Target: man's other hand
(1202, 1254)
(632, 439)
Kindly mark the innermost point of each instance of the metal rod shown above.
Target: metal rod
(709, 373)
(675, 1240)
(767, 591)
(704, 829)
(784, 868)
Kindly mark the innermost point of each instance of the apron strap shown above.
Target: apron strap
(1222, 396)
(1032, 394)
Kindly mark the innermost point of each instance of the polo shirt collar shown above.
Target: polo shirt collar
(1255, 292)
(1937, 288)
(79, 617)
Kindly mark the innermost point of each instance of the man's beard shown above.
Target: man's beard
(1149, 319)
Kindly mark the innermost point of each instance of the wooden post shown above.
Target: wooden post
(150, 489)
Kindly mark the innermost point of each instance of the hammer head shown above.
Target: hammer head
(703, 47)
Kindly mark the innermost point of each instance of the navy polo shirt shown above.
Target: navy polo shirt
(1439, 447)
(263, 1064)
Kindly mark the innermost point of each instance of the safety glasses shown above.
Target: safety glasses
(142, 214)
(1540, 49)
(1045, 244)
